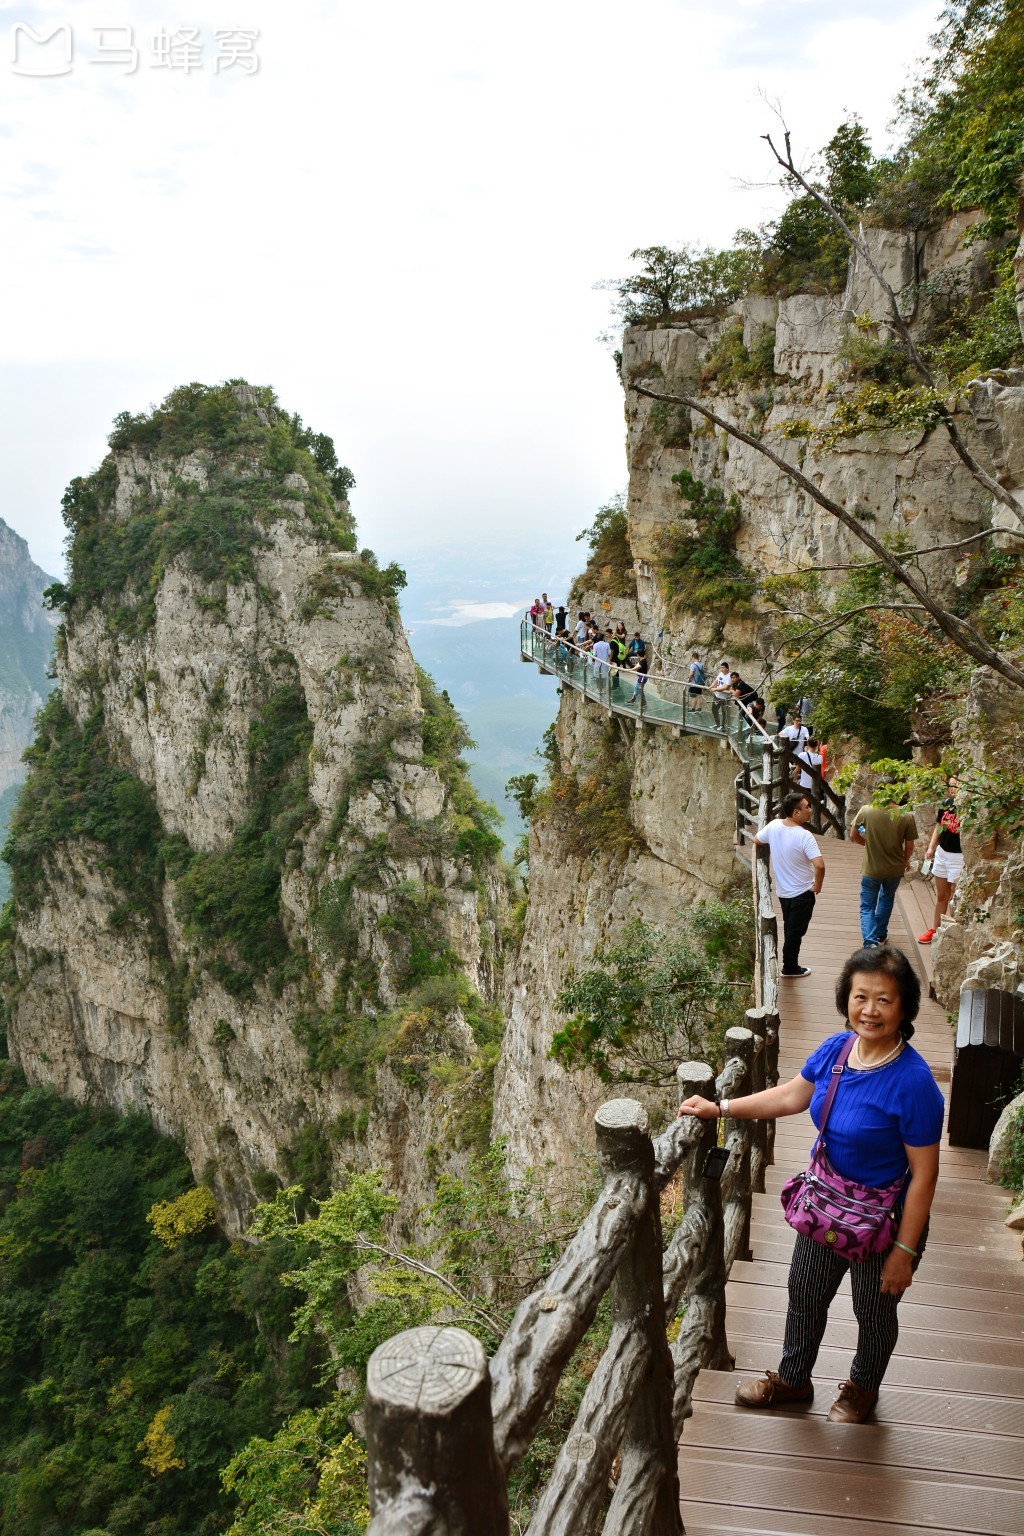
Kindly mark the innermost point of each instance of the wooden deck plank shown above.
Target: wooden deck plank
(1009, 1303)
(916, 1311)
(965, 1413)
(963, 1269)
(945, 1452)
(821, 1488)
(944, 1449)
(766, 1321)
(713, 1520)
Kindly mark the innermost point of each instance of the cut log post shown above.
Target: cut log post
(624, 1386)
(432, 1466)
(734, 1082)
(771, 1071)
(757, 1024)
(701, 1340)
(766, 935)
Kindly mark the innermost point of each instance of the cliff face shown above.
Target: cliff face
(255, 895)
(675, 798)
(26, 646)
(815, 354)
(764, 363)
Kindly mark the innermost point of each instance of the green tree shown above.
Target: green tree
(805, 248)
(965, 119)
(699, 567)
(673, 281)
(609, 565)
(656, 997)
(864, 656)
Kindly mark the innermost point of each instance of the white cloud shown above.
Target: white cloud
(397, 222)
(471, 613)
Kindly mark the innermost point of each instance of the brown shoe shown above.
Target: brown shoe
(853, 1404)
(772, 1392)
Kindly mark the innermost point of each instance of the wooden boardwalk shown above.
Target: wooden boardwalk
(944, 1452)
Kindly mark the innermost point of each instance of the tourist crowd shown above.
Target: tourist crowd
(610, 650)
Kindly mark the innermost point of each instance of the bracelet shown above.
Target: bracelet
(723, 1109)
(911, 1251)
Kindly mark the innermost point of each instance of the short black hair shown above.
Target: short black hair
(792, 800)
(887, 960)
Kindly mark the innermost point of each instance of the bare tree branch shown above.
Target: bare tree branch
(364, 1245)
(898, 323)
(960, 633)
(828, 626)
(912, 554)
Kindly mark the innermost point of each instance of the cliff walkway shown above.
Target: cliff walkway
(674, 704)
(658, 1446)
(945, 1453)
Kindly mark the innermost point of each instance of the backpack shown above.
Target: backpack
(698, 674)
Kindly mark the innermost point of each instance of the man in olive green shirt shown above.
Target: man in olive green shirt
(888, 839)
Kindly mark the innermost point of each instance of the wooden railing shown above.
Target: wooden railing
(445, 1427)
(780, 771)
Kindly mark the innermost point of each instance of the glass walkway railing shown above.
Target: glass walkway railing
(658, 701)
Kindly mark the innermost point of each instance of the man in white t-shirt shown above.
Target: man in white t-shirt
(602, 654)
(796, 733)
(799, 871)
(721, 690)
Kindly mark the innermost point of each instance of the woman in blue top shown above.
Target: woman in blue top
(886, 1118)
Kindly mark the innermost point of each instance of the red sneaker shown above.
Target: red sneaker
(926, 937)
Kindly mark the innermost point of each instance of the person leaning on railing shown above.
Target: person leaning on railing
(885, 1122)
(743, 694)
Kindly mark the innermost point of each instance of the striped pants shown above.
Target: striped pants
(815, 1274)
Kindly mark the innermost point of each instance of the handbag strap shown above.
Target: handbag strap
(838, 1067)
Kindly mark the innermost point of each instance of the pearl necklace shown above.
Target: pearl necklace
(873, 1066)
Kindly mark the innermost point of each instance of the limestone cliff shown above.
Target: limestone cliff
(808, 354)
(255, 896)
(26, 645)
(762, 364)
(671, 804)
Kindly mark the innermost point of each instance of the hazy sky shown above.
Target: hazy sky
(396, 218)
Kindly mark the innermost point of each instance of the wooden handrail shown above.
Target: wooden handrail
(444, 1430)
(549, 1324)
(425, 1383)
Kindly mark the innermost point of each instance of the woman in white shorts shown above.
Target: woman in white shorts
(946, 858)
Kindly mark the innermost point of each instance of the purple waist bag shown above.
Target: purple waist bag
(854, 1220)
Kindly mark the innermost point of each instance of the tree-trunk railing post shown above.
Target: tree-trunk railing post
(430, 1451)
(735, 1080)
(628, 1399)
(701, 1342)
(757, 1023)
(646, 1497)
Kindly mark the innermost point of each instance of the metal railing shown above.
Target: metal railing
(699, 711)
(656, 700)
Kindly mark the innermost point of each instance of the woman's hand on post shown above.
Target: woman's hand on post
(704, 1109)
